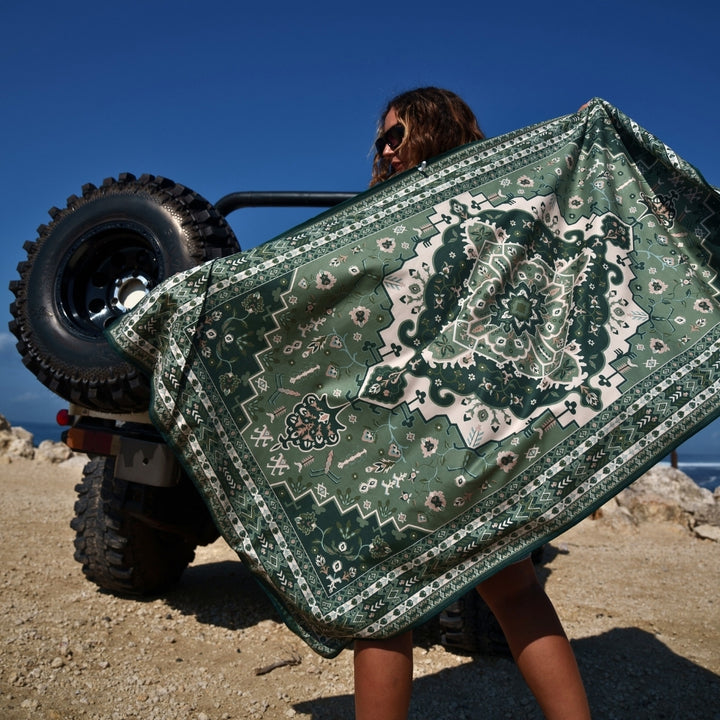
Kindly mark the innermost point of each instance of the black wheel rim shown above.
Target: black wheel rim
(106, 273)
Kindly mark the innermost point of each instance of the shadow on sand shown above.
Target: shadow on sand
(629, 673)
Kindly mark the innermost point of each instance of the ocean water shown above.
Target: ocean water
(703, 468)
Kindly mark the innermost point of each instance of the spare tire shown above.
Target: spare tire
(93, 263)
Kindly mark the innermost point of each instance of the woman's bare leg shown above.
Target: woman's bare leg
(383, 678)
(537, 641)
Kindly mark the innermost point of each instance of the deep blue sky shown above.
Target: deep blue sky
(226, 95)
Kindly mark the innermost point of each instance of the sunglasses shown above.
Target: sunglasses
(392, 137)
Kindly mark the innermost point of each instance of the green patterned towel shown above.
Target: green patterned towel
(392, 401)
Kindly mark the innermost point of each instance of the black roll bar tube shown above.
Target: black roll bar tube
(234, 201)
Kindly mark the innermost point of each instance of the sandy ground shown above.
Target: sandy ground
(640, 605)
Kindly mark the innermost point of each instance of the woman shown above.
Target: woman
(414, 127)
(418, 125)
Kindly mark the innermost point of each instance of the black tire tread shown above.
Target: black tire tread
(122, 388)
(117, 551)
(469, 626)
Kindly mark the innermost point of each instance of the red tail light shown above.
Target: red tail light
(92, 441)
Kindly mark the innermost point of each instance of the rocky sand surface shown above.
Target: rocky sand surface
(636, 587)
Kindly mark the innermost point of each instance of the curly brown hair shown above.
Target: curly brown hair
(435, 121)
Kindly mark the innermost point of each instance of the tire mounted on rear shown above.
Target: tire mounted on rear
(97, 258)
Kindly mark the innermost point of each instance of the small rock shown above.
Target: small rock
(709, 515)
(53, 452)
(75, 460)
(17, 443)
(22, 434)
(665, 493)
(708, 532)
(612, 513)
